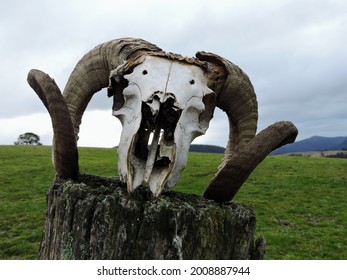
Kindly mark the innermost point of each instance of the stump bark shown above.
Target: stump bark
(95, 218)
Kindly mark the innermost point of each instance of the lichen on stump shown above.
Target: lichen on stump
(95, 218)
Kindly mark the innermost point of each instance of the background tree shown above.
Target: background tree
(28, 138)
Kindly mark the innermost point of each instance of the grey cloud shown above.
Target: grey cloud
(293, 51)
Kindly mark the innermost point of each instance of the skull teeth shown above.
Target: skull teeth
(152, 154)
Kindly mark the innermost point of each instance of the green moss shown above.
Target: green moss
(67, 253)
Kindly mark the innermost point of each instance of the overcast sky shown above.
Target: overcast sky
(295, 52)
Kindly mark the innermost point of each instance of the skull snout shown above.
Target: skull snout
(158, 125)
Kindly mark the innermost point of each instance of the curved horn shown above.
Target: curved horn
(236, 171)
(89, 76)
(92, 72)
(65, 154)
(236, 96)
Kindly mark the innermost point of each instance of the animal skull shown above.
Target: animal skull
(162, 107)
(164, 99)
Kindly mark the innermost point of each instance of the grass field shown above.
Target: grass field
(300, 202)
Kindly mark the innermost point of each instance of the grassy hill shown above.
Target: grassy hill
(300, 202)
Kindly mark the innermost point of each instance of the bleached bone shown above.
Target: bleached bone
(163, 103)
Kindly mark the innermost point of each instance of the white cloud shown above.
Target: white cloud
(39, 123)
(99, 129)
(294, 52)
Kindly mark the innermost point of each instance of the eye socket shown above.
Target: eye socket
(144, 72)
(192, 82)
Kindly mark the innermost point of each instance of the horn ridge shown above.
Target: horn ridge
(91, 73)
(236, 97)
(65, 153)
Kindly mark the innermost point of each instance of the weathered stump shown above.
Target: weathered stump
(95, 218)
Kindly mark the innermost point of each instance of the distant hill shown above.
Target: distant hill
(206, 149)
(343, 145)
(315, 143)
(312, 144)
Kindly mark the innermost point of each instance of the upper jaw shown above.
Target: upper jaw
(153, 149)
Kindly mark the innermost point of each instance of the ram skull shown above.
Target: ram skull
(163, 101)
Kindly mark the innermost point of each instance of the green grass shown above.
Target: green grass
(300, 202)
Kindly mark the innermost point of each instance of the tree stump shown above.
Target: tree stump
(95, 218)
